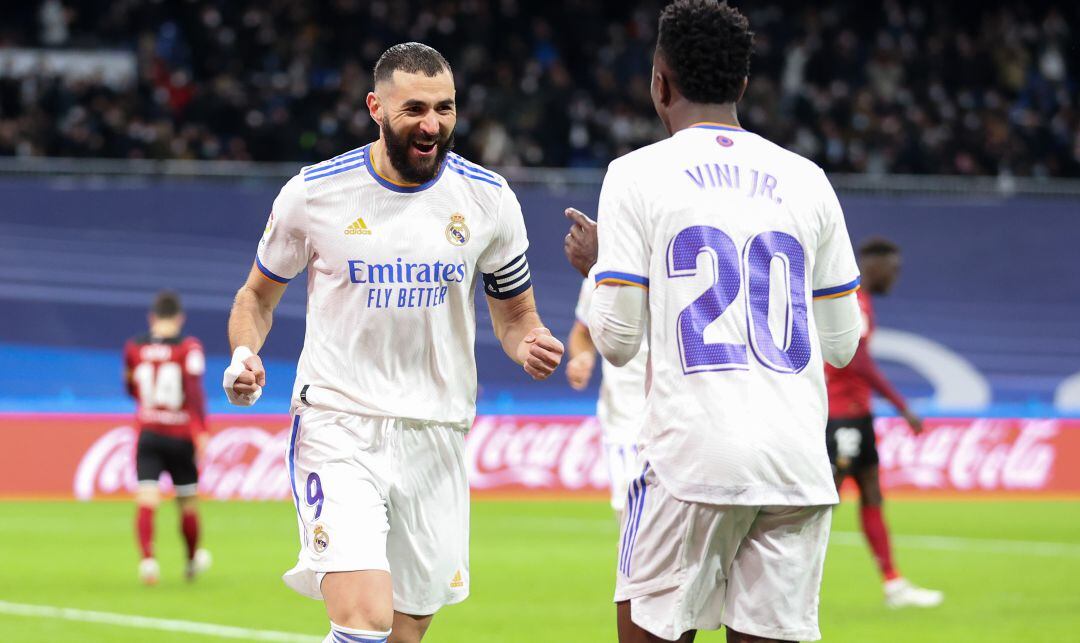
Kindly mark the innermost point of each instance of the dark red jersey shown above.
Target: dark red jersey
(165, 378)
(850, 387)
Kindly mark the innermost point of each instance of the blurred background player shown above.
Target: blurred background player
(714, 240)
(622, 397)
(163, 372)
(850, 432)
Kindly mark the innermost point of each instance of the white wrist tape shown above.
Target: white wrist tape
(236, 367)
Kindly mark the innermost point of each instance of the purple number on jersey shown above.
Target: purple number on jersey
(683, 252)
(315, 493)
(792, 353)
(788, 356)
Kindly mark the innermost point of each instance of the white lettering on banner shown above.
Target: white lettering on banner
(538, 454)
(991, 455)
(241, 463)
(109, 465)
(567, 454)
(247, 463)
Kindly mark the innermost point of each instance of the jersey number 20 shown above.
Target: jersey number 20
(787, 354)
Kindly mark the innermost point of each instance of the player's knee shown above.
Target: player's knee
(871, 499)
(358, 614)
(188, 504)
(147, 496)
(359, 617)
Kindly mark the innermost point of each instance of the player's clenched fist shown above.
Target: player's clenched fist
(244, 378)
(579, 369)
(540, 353)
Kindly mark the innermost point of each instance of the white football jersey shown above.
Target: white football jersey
(391, 275)
(732, 236)
(622, 388)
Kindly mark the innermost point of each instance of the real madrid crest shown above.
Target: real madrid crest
(457, 232)
(320, 540)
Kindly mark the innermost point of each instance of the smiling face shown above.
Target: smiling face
(416, 114)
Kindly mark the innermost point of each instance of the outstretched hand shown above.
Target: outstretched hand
(580, 244)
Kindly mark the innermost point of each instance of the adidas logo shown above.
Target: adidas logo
(358, 227)
(456, 582)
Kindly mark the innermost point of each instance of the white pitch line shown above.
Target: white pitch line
(149, 623)
(970, 545)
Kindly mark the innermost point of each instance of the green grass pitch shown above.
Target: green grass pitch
(541, 572)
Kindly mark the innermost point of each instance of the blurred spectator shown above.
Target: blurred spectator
(896, 87)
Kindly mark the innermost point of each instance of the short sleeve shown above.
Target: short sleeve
(503, 263)
(624, 253)
(195, 359)
(581, 310)
(836, 273)
(284, 250)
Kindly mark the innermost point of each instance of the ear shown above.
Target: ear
(742, 90)
(664, 89)
(374, 106)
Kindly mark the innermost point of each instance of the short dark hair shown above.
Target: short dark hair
(166, 305)
(878, 247)
(707, 44)
(411, 58)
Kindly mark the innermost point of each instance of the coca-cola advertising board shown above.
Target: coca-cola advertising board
(88, 456)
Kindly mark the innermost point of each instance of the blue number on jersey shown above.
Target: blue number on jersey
(315, 493)
(788, 356)
(683, 252)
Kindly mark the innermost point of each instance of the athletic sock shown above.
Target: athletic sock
(189, 525)
(144, 529)
(877, 535)
(340, 634)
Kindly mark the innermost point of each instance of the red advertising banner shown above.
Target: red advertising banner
(93, 456)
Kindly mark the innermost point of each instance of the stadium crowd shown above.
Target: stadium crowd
(892, 87)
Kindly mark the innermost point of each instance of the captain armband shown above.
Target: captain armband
(509, 281)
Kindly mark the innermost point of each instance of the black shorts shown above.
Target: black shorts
(156, 453)
(851, 443)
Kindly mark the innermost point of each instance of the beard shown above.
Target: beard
(398, 147)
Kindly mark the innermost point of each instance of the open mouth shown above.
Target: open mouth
(424, 149)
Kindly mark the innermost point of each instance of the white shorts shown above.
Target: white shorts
(381, 493)
(691, 566)
(623, 466)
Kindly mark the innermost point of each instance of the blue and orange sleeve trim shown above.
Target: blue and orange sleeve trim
(612, 278)
(266, 272)
(838, 291)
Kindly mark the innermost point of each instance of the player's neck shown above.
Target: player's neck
(165, 329)
(688, 114)
(384, 168)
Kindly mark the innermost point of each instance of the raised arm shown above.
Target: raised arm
(249, 323)
(283, 253)
(523, 336)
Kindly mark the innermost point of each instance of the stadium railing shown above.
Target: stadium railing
(986, 186)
